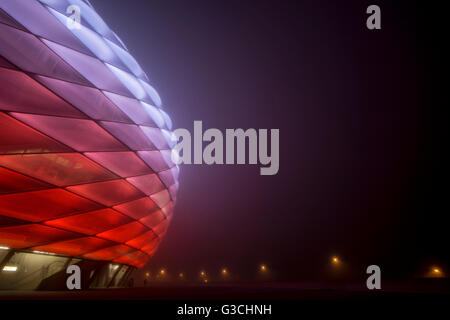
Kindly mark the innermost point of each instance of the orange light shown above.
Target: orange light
(202, 273)
(205, 280)
(224, 271)
(335, 260)
(147, 274)
(181, 275)
(263, 267)
(162, 272)
(436, 271)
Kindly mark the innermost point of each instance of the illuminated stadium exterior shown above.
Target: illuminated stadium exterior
(85, 150)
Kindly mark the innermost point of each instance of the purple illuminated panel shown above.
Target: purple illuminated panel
(90, 101)
(132, 108)
(154, 159)
(131, 135)
(30, 54)
(91, 68)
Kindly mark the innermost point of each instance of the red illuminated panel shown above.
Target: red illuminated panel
(143, 240)
(7, 222)
(125, 232)
(149, 184)
(80, 134)
(153, 219)
(109, 253)
(125, 164)
(11, 182)
(142, 261)
(23, 139)
(31, 97)
(134, 258)
(91, 222)
(60, 169)
(43, 205)
(161, 228)
(75, 247)
(137, 208)
(151, 247)
(108, 193)
(28, 235)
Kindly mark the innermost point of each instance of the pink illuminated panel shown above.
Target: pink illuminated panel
(81, 135)
(149, 184)
(108, 193)
(61, 169)
(31, 97)
(23, 139)
(125, 164)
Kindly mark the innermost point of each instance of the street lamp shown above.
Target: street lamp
(335, 260)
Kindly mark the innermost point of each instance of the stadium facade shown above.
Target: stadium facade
(86, 175)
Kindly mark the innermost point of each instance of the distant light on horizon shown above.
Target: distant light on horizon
(263, 268)
(437, 270)
(335, 260)
(162, 271)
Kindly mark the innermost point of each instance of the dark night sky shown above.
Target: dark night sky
(353, 110)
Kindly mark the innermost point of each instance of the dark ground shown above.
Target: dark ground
(248, 291)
